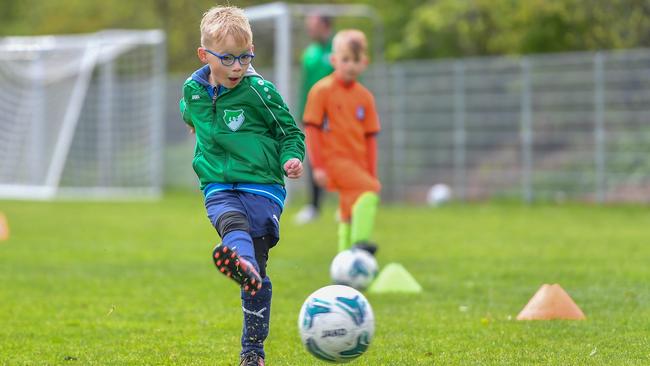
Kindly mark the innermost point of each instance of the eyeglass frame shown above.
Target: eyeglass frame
(235, 58)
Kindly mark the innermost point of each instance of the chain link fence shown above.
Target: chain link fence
(554, 127)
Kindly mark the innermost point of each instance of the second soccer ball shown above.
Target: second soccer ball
(355, 268)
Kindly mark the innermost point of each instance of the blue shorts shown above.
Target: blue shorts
(262, 213)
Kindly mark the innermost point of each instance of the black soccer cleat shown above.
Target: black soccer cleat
(239, 269)
(251, 359)
(367, 246)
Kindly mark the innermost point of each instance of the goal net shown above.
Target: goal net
(81, 115)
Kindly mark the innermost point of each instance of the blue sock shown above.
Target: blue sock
(241, 242)
(257, 313)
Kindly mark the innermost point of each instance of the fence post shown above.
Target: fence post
(397, 133)
(460, 183)
(526, 132)
(599, 126)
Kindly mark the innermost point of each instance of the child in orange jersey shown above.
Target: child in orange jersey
(341, 127)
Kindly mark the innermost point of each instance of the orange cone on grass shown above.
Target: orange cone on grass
(4, 227)
(551, 302)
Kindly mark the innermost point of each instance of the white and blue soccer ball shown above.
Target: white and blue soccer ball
(336, 323)
(355, 268)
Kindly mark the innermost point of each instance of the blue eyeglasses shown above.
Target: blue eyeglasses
(228, 59)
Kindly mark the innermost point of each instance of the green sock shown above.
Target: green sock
(344, 236)
(364, 211)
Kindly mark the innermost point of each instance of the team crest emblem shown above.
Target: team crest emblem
(233, 118)
(361, 113)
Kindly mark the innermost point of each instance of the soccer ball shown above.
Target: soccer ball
(354, 267)
(438, 194)
(336, 323)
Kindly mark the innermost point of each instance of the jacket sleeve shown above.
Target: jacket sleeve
(281, 122)
(185, 113)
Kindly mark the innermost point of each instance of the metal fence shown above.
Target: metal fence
(554, 127)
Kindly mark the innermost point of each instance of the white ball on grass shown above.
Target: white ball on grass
(438, 194)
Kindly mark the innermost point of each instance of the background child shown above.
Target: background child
(342, 122)
(246, 141)
(315, 66)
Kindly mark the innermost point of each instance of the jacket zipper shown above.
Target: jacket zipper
(215, 120)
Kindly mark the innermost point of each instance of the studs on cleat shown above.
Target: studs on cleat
(241, 271)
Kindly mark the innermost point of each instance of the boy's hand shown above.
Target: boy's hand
(320, 177)
(192, 131)
(293, 168)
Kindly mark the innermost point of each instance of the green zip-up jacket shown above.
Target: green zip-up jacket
(244, 134)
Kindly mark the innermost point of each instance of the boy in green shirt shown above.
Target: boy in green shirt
(246, 142)
(315, 66)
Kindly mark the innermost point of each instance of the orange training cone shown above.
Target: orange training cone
(551, 302)
(4, 227)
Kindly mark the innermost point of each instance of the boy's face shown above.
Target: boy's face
(347, 64)
(220, 74)
(317, 29)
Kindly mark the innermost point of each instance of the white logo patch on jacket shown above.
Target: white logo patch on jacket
(233, 118)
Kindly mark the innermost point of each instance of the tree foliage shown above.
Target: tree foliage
(412, 28)
(456, 28)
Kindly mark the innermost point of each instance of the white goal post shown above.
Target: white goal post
(81, 115)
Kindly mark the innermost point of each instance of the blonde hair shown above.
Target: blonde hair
(222, 21)
(351, 39)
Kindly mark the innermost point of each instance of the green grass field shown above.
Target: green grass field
(133, 284)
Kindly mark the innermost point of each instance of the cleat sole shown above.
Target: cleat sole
(239, 270)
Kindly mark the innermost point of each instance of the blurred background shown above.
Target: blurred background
(527, 100)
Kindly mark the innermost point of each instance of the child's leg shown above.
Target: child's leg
(364, 211)
(228, 216)
(358, 210)
(233, 228)
(257, 309)
(264, 216)
(358, 200)
(257, 312)
(344, 236)
(235, 256)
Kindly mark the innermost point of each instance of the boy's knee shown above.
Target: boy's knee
(367, 198)
(232, 221)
